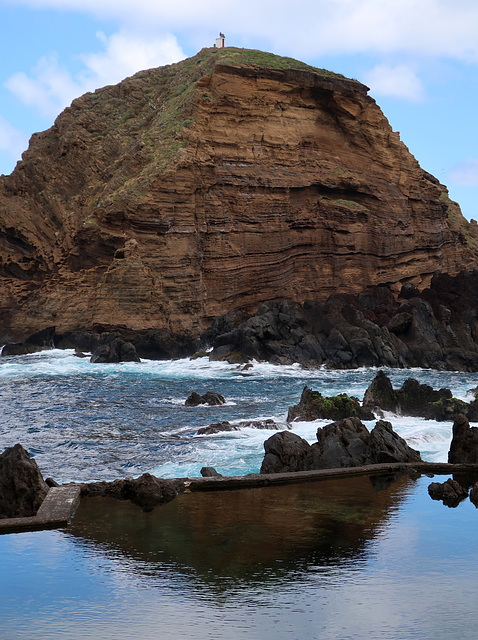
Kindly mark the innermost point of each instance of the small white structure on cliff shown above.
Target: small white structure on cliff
(221, 41)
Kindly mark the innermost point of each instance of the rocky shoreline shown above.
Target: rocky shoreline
(436, 328)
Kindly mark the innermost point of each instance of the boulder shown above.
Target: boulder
(284, 452)
(413, 397)
(386, 446)
(464, 444)
(115, 350)
(147, 491)
(313, 406)
(22, 488)
(345, 443)
(380, 394)
(211, 398)
(450, 491)
(340, 444)
(210, 472)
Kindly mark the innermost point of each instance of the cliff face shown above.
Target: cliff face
(225, 180)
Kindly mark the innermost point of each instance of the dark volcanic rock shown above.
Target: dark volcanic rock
(435, 328)
(40, 341)
(115, 350)
(313, 405)
(217, 427)
(380, 394)
(147, 491)
(22, 488)
(474, 494)
(464, 444)
(340, 444)
(415, 399)
(210, 472)
(450, 491)
(345, 443)
(285, 451)
(211, 398)
(387, 446)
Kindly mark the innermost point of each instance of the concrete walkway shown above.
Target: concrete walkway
(56, 511)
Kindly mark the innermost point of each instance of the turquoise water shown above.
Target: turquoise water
(333, 560)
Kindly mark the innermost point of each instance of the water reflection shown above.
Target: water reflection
(333, 560)
(225, 538)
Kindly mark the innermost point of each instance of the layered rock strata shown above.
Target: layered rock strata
(214, 184)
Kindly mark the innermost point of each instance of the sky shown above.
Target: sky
(419, 58)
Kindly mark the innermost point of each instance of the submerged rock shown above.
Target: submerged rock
(22, 487)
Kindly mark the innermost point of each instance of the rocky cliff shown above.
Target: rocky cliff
(216, 183)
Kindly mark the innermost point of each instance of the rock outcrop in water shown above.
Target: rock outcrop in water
(346, 443)
(464, 444)
(313, 406)
(215, 184)
(416, 399)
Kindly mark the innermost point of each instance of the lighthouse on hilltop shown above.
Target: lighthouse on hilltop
(221, 41)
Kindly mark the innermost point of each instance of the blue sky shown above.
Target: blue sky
(419, 57)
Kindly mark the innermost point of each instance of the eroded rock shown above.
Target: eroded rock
(22, 487)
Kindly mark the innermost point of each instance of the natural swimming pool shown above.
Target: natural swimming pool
(334, 559)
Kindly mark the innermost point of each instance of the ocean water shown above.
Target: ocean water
(85, 422)
(337, 559)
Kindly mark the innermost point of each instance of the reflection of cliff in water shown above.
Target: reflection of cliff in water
(229, 538)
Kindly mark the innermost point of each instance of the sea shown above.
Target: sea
(85, 422)
(337, 559)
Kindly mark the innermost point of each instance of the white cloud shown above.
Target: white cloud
(306, 27)
(127, 53)
(50, 87)
(397, 81)
(465, 174)
(12, 141)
